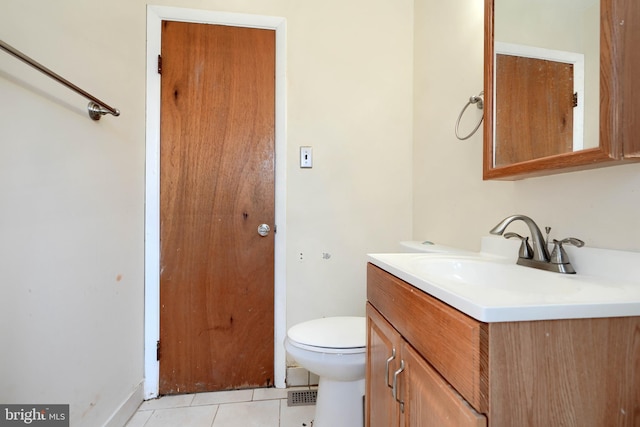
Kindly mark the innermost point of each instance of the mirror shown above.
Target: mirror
(548, 67)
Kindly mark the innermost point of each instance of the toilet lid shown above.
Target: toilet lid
(331, 332)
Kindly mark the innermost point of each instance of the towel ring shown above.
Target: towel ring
(480, 105)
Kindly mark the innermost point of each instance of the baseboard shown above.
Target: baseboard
(127, 408)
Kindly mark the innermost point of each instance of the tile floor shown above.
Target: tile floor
(263, 407)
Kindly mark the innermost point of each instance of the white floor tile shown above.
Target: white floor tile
(217, 397)
(296, 416)
(262, 407)
(194, 416)
(269, 393)
(264, 413)
(139, 419)
(177, 401)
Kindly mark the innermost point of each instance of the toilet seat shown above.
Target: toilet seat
(330, 335)
(327, 350)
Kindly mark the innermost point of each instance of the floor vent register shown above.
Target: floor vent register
(301, 397)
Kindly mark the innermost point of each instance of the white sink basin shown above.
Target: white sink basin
(486, 273)
(494, 289)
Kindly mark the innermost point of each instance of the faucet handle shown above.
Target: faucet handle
(525, 249)
(558, 255)
(572, 241)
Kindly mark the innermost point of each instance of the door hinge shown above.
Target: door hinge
(575, 99)
(158, 350)
(159, 64)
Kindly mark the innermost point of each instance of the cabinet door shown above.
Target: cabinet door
(383, 342)
(429, 401)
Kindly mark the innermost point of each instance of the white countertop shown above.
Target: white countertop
(607, 284)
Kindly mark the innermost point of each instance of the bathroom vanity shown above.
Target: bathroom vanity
(430, 364)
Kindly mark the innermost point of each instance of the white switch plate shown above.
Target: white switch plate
(306, 157)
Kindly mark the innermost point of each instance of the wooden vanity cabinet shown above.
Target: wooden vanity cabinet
(403, 325)
(421, 398)
(452, 370)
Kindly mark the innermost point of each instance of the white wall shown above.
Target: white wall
(452, 205)
(350, 89)
(72, 222)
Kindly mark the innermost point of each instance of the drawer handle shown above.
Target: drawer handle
(394, 390)
(389, 360)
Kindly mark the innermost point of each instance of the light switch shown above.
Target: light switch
(306, 157)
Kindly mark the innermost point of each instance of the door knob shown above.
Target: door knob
(264, 229)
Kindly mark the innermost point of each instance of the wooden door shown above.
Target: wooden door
(216, 188)
(383, 359)
(534, 116)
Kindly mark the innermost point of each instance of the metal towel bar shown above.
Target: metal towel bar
(96, 108)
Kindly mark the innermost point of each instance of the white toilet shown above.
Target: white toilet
(334, 349)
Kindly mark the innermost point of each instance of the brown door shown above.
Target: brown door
(534, 116)
(216, 188)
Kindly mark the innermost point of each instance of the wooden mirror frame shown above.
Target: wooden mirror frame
(615, 75)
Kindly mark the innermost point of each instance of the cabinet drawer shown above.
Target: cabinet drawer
(452, 342)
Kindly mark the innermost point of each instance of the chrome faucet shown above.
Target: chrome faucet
(538, 256)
